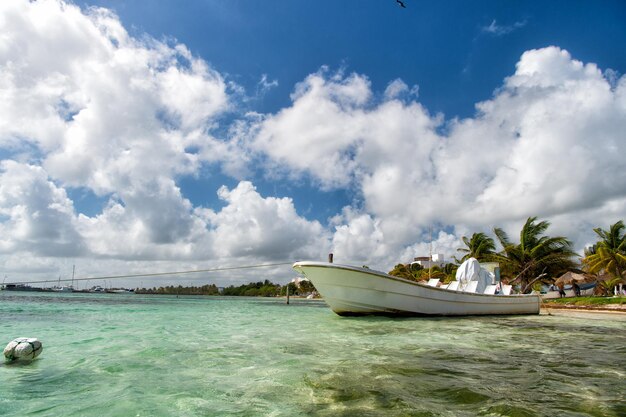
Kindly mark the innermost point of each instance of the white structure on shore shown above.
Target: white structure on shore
(436, 259)
(298, 280)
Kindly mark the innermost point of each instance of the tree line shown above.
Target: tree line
(253, 289)
(209, 289)
(536, 258)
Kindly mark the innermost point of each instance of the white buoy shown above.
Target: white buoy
(25, 348)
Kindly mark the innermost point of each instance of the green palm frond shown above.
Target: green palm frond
(535, 255)
(479, 246)
(610, 252)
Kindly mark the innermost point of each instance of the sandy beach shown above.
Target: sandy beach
(574, 310)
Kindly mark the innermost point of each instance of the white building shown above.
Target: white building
(437, 259)
(298, 280)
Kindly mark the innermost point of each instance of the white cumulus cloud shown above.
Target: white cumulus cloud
(108, 112)
(548, 143)
(252, 226)
(37, 215)
(84, 105)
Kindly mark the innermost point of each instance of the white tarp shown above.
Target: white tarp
(470, 270)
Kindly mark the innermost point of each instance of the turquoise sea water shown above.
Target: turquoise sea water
(134, 355)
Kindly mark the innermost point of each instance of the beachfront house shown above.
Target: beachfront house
(436, 259)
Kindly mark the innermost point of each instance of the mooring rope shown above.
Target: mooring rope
(154, 274)
(545, 305)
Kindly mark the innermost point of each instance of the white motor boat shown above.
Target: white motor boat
(64, 288)
(350, 290)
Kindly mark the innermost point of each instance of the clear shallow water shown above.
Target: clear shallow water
(133, 355)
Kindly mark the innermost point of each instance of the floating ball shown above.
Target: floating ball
(25, 348)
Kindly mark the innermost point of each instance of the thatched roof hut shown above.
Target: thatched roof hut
(578, 277)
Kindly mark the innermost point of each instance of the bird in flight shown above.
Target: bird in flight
(401, 4)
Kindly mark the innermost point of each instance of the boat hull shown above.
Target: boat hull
(359, 291)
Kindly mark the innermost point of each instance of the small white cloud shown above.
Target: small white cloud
(499, 30)
(265, 85)
(612, 76)
(397, 88)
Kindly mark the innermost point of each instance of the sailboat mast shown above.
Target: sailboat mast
(430, 252)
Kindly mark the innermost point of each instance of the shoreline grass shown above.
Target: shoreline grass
(617, 303)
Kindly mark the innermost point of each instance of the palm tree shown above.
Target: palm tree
(402, 271)
(609, 254)
(536, 257)
(428, 273)
(450, 271)
(480, 246)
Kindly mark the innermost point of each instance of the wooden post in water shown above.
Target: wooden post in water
(330, 258)
(287, 293)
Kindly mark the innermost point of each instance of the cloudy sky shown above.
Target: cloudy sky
(153, 136)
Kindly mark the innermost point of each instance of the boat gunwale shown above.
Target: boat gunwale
(403, 280)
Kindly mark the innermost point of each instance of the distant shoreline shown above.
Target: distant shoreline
(546, 308)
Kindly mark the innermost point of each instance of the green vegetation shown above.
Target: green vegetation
(306, 287)
(416, 272)
(587, 301)
(432, 272)
(253, 289)
(269, 289)
(405, 271)
(209, 289)
(608, 255)
(479, 246)
(536, 258)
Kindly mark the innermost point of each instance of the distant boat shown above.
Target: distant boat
(119, 291)
(350, 290)
(64, 288)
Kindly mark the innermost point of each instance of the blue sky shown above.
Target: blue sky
(457, 52)
(444, 47)
(177, 135)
